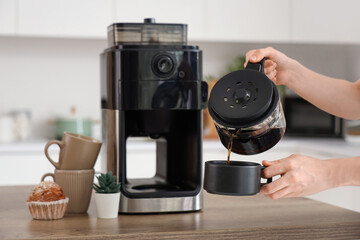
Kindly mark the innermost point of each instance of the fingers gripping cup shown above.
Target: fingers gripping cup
(237, 178)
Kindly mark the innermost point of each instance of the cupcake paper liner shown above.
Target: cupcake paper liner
(48, 210)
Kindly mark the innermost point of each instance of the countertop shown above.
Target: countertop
(223, 217)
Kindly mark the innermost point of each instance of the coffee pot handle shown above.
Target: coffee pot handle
(259, 66)
(268, 180)
(61, 145)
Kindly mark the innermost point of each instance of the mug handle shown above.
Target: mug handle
(48, 175)
(269, 180)
(61, 145)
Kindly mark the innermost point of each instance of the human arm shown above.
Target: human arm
(303, 175)
(335, 96)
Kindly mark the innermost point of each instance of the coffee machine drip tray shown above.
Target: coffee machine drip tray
(155, 186)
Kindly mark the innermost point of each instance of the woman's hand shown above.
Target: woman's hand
(335, 96)
(278, 67)
(300, 176)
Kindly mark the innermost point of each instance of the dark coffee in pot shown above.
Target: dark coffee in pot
(248, 142)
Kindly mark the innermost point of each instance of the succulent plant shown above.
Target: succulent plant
(107, 183)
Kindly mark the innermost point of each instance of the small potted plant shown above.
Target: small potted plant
(107, 195)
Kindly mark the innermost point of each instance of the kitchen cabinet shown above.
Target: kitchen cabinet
(214, 20)
(27, 167)
(326, 21)
(140, 163)
(193, 13)
(321, 21)
(228, 20)
(19, 169)
(66, 18)
(246, 20)
(8, 10)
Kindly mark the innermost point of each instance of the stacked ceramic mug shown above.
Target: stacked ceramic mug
(74, 171)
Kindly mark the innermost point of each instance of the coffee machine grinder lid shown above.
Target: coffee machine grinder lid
(147, 33)
(243, 98)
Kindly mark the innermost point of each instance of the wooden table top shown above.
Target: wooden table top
(223, 217)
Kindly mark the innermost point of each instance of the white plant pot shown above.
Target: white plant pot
(107, 204)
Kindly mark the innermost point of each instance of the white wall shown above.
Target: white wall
(331, 60)
(48, 76)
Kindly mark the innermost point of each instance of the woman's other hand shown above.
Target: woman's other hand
(300, 176)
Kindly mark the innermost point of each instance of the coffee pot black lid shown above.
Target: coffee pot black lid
(243, 98)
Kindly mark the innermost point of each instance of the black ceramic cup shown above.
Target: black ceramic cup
(238, 179)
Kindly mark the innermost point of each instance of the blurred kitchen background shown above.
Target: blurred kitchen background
(50, 67)
(49, 50)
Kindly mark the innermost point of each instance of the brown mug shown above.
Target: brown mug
(77, 186)
(76, 152)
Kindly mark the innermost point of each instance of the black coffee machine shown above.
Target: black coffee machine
(151, 86)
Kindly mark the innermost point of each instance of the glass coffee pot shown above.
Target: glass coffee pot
(247, 111)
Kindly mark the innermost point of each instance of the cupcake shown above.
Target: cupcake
(47, 201)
